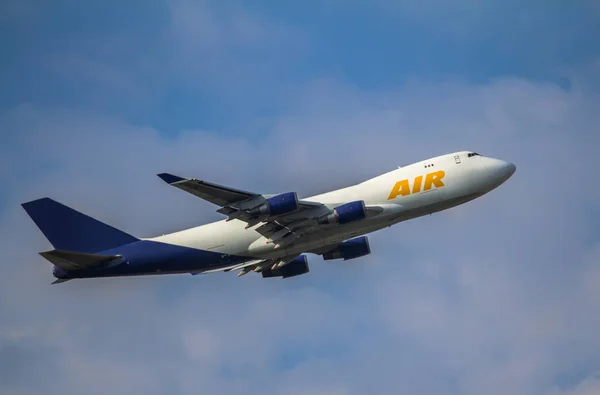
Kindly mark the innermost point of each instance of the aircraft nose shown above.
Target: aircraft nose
(513, 168)
(502, 170)
(508, 169)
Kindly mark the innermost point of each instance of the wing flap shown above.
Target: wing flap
(256, 265)
(232, 267)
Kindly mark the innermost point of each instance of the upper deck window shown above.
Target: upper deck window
(473, 154)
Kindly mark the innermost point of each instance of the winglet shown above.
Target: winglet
(170, 178)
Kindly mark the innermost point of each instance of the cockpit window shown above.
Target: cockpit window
(473, 154)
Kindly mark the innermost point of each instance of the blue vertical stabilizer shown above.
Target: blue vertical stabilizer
(70, 230)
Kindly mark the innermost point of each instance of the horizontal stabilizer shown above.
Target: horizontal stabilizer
(72, 261)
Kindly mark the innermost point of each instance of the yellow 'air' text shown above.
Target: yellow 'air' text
(402, 188)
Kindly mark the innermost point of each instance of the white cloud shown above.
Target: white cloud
(496, 296)
(589, 386)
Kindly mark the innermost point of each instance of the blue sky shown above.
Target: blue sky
(96, 99)
(131, 56)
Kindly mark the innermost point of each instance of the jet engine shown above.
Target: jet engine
(350, 249)
(294, 268)
(345, 213)
(277, 205)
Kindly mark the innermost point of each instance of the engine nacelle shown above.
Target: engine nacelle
(295, 268)
(277, 205)
(345, 213)
(350, 249)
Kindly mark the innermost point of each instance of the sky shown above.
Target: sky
(496, 296)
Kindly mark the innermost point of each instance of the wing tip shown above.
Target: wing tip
(60, 281)
(170, 178)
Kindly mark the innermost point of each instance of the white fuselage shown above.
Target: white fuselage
(418, 189)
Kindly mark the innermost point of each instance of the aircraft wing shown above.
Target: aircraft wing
(256, 265)
(214, 193)
(251, 264)
(272, 212)
(280, 218)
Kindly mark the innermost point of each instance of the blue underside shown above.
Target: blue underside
(151, 257)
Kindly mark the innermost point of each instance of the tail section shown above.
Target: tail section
(70, 230)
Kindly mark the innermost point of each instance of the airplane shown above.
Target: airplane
(268, 234)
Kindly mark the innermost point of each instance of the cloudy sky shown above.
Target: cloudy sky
(499, 296)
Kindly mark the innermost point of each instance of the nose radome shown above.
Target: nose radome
(503, 170)
(510, 169)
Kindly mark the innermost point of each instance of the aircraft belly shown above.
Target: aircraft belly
(151, 257)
